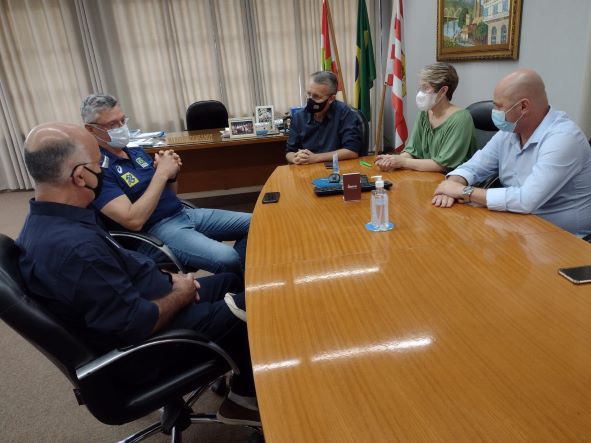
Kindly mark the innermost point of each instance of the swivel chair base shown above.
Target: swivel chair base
(178, 416)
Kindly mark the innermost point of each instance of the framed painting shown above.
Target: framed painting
(478, 29)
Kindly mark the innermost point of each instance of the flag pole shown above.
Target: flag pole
(379, 138)
(336, 51)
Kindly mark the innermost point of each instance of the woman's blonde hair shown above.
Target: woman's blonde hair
(439, 75)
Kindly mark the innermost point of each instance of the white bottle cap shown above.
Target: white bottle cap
(379, 181)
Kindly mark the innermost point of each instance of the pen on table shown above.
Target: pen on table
(362, 163)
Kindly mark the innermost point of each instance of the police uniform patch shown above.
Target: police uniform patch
(140, 161)
(119, 169)
(130, 179)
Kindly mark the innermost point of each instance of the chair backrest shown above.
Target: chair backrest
(33, 322)
(481, 115)
(364, 132)
(206, 114)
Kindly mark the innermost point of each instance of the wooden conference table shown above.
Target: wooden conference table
(455, 326)
(211, 162)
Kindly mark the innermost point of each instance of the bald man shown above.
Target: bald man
(110, 296)
(542, 158)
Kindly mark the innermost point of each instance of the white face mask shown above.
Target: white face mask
(426, 100)
(119, 137)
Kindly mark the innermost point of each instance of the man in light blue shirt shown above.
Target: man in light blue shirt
(543, 160)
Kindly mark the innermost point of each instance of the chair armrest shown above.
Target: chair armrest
(188, 204)
(180, 334)
(152, 241)
(142, 236)
(126, 384)
(168, 339)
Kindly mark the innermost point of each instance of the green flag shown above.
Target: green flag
(365, 67)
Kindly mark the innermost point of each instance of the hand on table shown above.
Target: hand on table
(447, 193)
(387, 162)
(304, 157)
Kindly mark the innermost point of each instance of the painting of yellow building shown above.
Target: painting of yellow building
(480, 26)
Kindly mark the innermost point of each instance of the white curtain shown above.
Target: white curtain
(157, 57)
(42, 76)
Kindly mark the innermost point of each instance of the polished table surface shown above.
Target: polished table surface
(211, 162)
(455, 326)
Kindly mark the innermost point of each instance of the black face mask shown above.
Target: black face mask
(99, 182)
(313, 107)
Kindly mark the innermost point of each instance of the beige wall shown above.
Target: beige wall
(555, 41)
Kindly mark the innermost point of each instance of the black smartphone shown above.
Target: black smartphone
(271, 197)
(328, 165)
(578, 275)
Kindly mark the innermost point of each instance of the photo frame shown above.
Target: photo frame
(241, 127)
(264, 116)
(478, 29)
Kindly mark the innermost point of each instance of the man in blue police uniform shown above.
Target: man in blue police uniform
(140, 194)
(325, 126)
(108, 295)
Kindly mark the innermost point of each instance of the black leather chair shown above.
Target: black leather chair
(207, 114)
(481, 115)
(364, 132)
(123, 384)
(165, 258)
(485, 129)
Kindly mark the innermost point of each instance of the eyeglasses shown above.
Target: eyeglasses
(112, 125)
(103, 163)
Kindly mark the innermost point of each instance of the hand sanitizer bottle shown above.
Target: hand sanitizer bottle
(379, 208)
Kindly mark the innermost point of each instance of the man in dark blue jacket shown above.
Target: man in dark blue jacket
(324, 126)
(110, 295)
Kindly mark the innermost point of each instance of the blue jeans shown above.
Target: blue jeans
(195, 236)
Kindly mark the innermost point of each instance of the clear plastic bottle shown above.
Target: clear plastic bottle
(380, 220)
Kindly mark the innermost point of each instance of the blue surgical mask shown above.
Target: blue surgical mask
(498, 118)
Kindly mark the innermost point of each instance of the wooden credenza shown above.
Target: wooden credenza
(212, 163)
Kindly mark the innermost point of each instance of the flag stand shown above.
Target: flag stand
(379, 139)
(336, 51)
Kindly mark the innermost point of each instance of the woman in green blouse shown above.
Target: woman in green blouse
(443, 135)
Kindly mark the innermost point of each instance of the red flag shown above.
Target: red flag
(326, 61)
(396, 76)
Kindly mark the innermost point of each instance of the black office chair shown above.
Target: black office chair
(207, 114)
(364, 132)
(160, 253)
(481, 115)
(485, 129)
(173, 364)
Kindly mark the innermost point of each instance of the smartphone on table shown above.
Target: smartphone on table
(577, 275)
(271, 197)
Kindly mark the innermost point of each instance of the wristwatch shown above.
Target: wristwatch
(467, 193)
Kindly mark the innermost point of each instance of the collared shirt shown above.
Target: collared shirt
(81, 275)
(340, 128)
(550, 176)
(132, 177)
